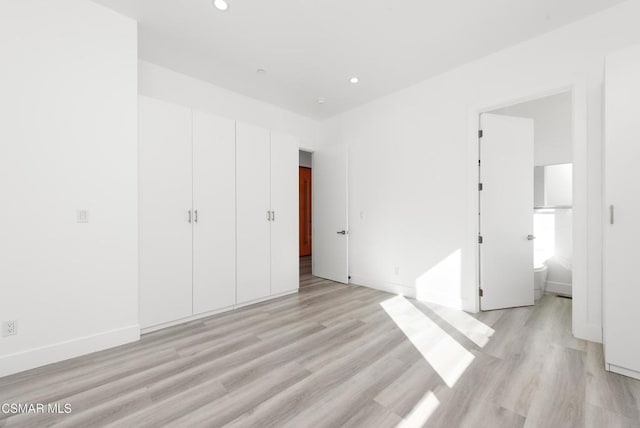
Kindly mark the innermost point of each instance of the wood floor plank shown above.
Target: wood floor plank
(517, 379)
(199, 370)
(507, 340)
(261, 366)
(343, 402)
(98, 415)
(560, 399)
(162, 413)
(409, 389)
(286, 405)
(316, 359)
(597, 417)
(331, 355)
(373, 414)
(610, 391)
(458, 404)
(57, 391)
(245, 399)
(483, 414)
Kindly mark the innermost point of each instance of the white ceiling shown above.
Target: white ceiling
(310, 48)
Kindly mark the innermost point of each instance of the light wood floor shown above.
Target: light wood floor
(306, 279)
(337, 355)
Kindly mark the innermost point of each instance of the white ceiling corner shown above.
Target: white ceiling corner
(312, 48)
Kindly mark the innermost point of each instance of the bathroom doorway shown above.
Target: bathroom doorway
(550, 193)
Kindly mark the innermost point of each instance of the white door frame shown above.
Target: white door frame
(578, 89)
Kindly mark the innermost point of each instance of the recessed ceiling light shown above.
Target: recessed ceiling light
(221, 4)
(261, 71)
(322, 100)
(354, 80)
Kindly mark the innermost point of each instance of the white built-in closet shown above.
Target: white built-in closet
(267, 189)
(621, 285)
(218, 213)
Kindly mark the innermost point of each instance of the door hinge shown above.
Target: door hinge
(481, 292)
(480, 239)
(480, 133)
(479, 187)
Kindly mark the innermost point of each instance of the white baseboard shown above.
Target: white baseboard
(388, 287)
(215, 312)
(264, 299)
(625, 372)
(559, 287)
(37, 357)
(403, 290)
(179, 321)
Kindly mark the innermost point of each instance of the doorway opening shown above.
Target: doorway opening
(305, 216)
(534, 263)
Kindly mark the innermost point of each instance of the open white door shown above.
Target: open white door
(330, 222)
(506, 212)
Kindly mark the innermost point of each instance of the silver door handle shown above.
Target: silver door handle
(530, 237)
(268, 215)
(189, 216)
(195, 218)
(273, 216)
(342, 232)
(611, 209)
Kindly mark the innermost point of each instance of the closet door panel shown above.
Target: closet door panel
(252, 223)
(214, 204)
(165, 201)
(285, 263)
(621, 288)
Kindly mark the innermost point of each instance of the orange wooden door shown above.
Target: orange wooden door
(305, 211)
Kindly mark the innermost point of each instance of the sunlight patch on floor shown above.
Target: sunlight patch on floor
(445, 355)
(475, 330)
(421, 412)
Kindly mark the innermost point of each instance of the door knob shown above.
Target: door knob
(530, 237)
(342, 232)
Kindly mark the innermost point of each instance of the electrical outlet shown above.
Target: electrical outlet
(9, 328)
(82, 216)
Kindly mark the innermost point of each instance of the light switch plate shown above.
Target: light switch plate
(82, 216)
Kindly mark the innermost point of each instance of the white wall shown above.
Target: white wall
(410, 157)
(552, 127)
(68, 141)
(558, 191)
(554, 229)
(165, 84)
(305, 159)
